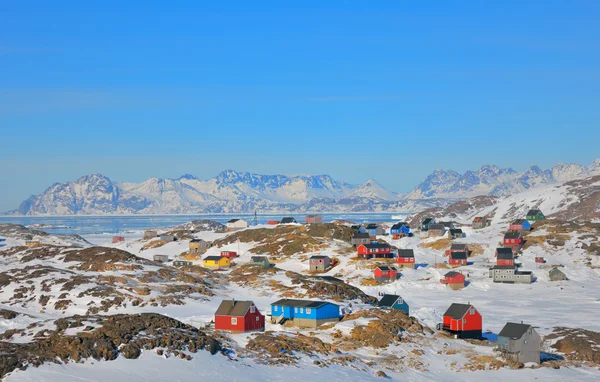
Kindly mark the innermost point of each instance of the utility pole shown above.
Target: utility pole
(255, 219)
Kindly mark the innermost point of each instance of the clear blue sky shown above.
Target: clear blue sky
(356, 90)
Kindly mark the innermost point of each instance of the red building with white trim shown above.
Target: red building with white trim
(238, 317)
(462, 320)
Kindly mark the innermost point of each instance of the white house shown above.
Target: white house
(237, 224)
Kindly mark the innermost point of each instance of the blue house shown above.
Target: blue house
(401, 228)
(373, 229)
(304, 313)
(393, 301)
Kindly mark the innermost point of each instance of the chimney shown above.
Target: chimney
(521, 322)
(233, 301)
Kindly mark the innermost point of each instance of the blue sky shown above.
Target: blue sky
(389, 91)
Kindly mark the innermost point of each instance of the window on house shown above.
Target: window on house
(295, 310)
(252, 309)
(233, 320)
(301, 310)
(308, 310)
(472, 312)
(257, 318)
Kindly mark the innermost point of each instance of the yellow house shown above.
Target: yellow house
(32, 243)
(216, 262)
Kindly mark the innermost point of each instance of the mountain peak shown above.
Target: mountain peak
(188, 177)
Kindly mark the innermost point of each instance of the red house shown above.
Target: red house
(458, 258)
(229, 254)
(513, 240)
(383, 273)
(406, 258)
(238, 317)
(379, 250)
(520, 225)
(273, 222)
(117, 239)
(454, 280)
(462, 320)
(458, 248)
(504, 257)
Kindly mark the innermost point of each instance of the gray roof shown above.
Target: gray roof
(399, 225)
(259, 259)
(288, 220)
(459, 247)
(300, 303)
(388, 300)
(427, 220)
(512, 235)
(458, 255)
(554, 270)
(386, 268)
(433, 227)
(503, 267)
(457, 311)
(197, 240)
(504, 254)
(319, 257)
(519, 221)
(361, 235)
(451, 274)
(377, 245)
(533, 212)
(233, 220)
(372, 226)
(233, 308)
(215, 258)
(456, 231)
(514, 331)
(406, 253)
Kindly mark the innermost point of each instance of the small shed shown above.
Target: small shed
(262, 261)
(32, 243)
(167, 238)
(181, 263)
(314, 219)
(455, 233)
(150, 234)
(273, 222)
(198, 245)
(319, 263)
(117, 239)
(455, 280)
(480, 222)
(556, 274)
(161, 258)
(229, 254)
(393, 301)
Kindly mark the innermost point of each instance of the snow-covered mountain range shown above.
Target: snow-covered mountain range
(239, 192)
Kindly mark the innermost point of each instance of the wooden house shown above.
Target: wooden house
(216, 262)
(457, 258)
(520, 225)
(508, 274)
(373, 229)
(519, 343)
(198, 245)
(436, 230)
(400, 229)
(458, 247)
(314, 219)
(463, 321)
(455, 233)
(535, 215)
(455, 280)
(540, 259)
(288, 220)
(406, 258)
(513, 240)
(167, 238)
(392, 301)
(181, 263)
(234, 224)
(229, 254)
(262, 261)
(150, 234)
(480, 222)
(118, 239)
(504, 257)
(161, 258)
(319, 263)
(359, 238)
(239, 317)
(32, 243)
(556, 274)
(426, 222)
(304, 313)
(384, 273)
(374, 250)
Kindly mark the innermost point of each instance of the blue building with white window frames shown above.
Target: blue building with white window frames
(304, 313)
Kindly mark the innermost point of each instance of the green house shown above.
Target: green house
(535, 215)
(263, 261)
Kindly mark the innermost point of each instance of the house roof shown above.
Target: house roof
(554, 270)
(259, 259)
(377, 245)
(452, 274)
(433, 227)
(478, 219)
(513, 330)
(399, 225)
(523, 272)
(301, 303)
(406, 253)
(456, 231)
(503, 267)
(361, 235)
(457, 311)
(458, 255)
(512, 235)
(288, 220)
(319, 257)
(519, 221)
(386, 268)
(504, 254)
(372, 226)
(233, 220)
(233, 308)
(459, 247)
(533, 212)
(446, 224)
(427, 220)
(312, 216)
(213, 258)
(388, 300)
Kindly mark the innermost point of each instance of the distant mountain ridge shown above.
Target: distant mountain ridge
(243, 192)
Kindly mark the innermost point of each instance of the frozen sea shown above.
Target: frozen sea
(93, 225)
